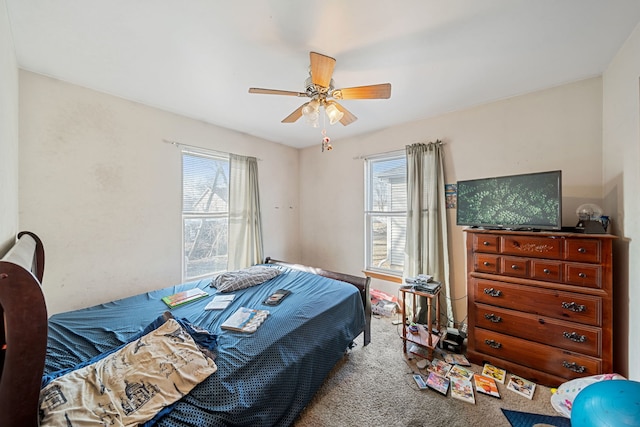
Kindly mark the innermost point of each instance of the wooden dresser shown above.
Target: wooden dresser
(540, 303)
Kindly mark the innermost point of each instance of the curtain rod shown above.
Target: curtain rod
(180, 144)
(366, 156)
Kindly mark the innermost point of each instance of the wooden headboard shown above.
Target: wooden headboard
(23, 331)
(362, 283)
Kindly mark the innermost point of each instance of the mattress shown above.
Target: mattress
(264, 378)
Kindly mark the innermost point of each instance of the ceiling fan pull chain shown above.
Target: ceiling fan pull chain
(326, 141)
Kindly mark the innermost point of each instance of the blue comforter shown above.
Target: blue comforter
(264, 378)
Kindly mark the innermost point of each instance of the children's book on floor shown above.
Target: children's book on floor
(462, 389)
(486, 385)
(460, 372)
(496, 373)
(439, 366)
(521, 386)
(456, 359)
(438, 382)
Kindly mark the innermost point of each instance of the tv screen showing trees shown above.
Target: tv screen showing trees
(526, 201)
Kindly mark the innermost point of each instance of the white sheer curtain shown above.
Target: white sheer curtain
(426, 249)
(245, 225)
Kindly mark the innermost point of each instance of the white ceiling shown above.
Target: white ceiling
(198, 58)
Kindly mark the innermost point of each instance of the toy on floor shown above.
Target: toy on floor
(562, 400)
(607, 404)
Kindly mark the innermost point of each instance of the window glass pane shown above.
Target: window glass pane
(387, 242)
(388, 185)
(205, 213)
(205, 184)
(386, 210)
(205, 246)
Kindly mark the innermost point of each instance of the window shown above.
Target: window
(205, 213)
(385, 212)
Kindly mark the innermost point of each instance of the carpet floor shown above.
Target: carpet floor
(373, 386)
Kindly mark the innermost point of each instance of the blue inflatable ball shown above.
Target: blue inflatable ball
(612, 403)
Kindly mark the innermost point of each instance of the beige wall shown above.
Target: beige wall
(8, 134)
(104, 192)
(558, 128)
(621, 165)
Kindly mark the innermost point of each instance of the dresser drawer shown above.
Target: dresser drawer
(583, 250)
(486, 243)
(546, 270)
(534, 355)
(535, 247)
(486, 263)
(545, 330)
(516, 267)
(570, 306)
(587, 275)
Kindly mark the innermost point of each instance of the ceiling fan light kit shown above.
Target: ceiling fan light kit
(319, 86)
(333, 113)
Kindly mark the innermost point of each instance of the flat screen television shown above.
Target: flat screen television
(531, 201)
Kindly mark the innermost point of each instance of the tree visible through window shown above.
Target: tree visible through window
(205, 213)
(385, 212)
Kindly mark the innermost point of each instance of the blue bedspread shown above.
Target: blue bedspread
(265, 378)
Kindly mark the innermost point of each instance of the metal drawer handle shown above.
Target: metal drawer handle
(492, 317)
(546, 271)
(514, 267)
(492, 343)
(582, 275)
(574, 336)
(486, 263)
(493, 292)
(582, 250)
(578, 308)
(573, 366)
(486, 243)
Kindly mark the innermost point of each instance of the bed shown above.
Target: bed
(262, 378)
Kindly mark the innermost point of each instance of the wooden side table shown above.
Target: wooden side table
(424, 337)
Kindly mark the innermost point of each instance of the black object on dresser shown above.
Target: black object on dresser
(540, 303)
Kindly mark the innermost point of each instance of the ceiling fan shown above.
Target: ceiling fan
(319, 87)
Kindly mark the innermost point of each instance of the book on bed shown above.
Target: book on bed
(245, 320)
(220, 302)
(184, 297)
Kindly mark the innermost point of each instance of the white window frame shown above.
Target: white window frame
(371, 212)
(200, 215)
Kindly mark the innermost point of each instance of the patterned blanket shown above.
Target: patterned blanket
(131, 385)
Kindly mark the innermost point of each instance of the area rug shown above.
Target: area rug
(526, 419)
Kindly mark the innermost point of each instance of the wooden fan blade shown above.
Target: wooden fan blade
(321, 69)
(381, 91)
(276, 92)
(291, 118)
(347, 118)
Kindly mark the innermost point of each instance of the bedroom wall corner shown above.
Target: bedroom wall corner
(8, 134)
(621, 173)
